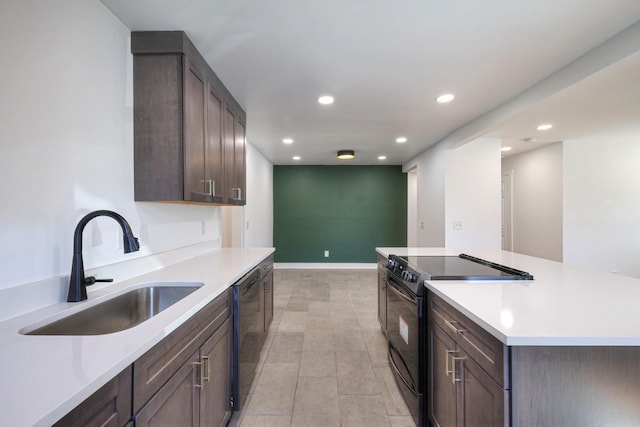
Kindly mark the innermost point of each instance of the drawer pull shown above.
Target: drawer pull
(205, 369)
(455, 380)
(200, 374)
(452, 325)
(447, 352)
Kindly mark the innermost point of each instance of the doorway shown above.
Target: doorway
(507, 211)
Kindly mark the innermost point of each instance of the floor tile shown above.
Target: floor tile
(355, 373)
(320, 363)
(275, 390)
(286, 347)
(316, 397)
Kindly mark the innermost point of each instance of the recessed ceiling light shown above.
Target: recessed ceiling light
(444, 98)
(382, 157)
(401, 139)
(326, 99)
(346, 154)
(505, 149)
(545, 126)
(296, 157)
(288, 141)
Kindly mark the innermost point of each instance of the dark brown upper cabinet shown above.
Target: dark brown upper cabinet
(189, 131)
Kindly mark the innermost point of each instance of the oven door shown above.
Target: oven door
(404, 329)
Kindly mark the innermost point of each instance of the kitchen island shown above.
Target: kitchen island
(560, 350)
(42, 378)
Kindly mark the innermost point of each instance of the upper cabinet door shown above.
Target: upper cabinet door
(196, 187)
(229, 156)
(214, 147)
(239, 163)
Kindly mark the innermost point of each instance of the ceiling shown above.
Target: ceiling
(384, 62)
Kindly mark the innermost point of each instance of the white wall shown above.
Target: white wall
(602, 203)
(258, 213)
(472, 195)
(537, 201)
(430, 166)
(66, 145)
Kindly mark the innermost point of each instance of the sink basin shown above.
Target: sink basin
(118, 313)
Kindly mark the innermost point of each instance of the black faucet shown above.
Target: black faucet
(77, 282)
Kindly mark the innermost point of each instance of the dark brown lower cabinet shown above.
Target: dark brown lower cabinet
(197, 359)
(215, 406)
(461, 392)
(176, 404)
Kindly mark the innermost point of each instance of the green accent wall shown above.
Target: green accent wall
(347, 210)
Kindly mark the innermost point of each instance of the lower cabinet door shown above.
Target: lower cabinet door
(442, 388)
(481, 400)
(176, 403)
(215, 405)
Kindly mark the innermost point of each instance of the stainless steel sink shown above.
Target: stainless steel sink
(119, 313)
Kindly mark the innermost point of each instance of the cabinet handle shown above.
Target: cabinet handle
(455, 380)
(210, 189)
(237, 193)
(205, 369)
(452, 325)
(447, 352)
(200, 374)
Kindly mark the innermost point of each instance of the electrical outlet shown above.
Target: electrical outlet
(203, 225)
(457, 225)
(326, 254)
(143, 235)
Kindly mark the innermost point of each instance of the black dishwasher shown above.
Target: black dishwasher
(248, 335)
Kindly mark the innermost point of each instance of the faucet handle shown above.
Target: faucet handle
(90, 280)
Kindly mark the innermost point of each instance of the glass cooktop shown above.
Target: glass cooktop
(462, 267)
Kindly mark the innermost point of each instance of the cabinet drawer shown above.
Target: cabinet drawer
(480, 345)
(266, 266)
(157, 365)
(382, 262)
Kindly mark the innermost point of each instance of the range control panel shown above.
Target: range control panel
(399, 268)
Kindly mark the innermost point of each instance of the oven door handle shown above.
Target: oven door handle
(398, 292)
(398, 374)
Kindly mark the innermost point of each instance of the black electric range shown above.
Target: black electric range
(414, 270)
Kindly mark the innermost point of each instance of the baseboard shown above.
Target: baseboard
(325, 265)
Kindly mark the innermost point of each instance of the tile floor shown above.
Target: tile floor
(324, 362)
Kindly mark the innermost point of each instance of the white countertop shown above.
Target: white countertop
(43, 377)
(562, 306)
